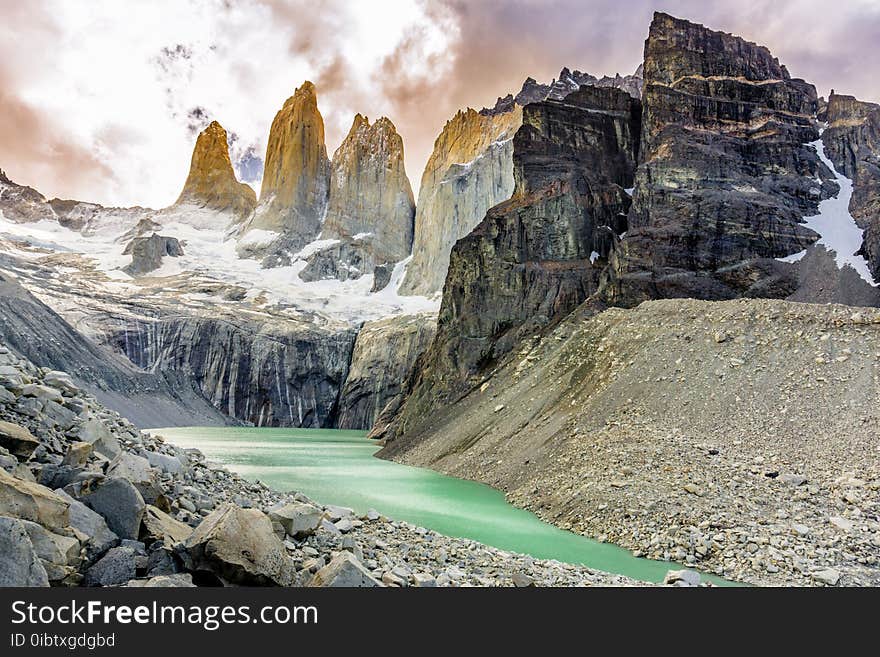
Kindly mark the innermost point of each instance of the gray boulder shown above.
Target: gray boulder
(298, 520)
(158, 525)
(19, 564)
(239, 547)
(99, 538)
(344, 570)
(114, 568)
(116, 500)
(138, 471)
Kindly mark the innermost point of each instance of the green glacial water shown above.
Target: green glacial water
(338, 467)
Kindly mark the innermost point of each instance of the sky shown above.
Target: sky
(102, 100)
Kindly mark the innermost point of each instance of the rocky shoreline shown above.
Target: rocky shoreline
(88, 499)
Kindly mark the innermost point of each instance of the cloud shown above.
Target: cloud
(102, 100)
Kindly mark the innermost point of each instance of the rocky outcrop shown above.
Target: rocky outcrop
(22, 204)
(725, 175)
(211, 182)
(469, 171)
(371, 202)
(296, 174)
(147, 253)
(534, 258)
(271, 372)
(852, 142)
(384, 353)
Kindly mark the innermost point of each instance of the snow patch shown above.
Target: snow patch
(836, 226)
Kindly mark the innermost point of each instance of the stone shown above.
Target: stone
(147, 253)
(139, 472)
(158, 526)
(344, 525)
(178, 580)
(52, 547)
(298, 520)
(166, 463)
(828, 576)
(238, 546)
(793, 479)
(682, 578)
(113, 569)
(693, 489)
(94, 431)
(116, 500)
(92, 526)
(424, 580)
(31, 501)
(211, 182)
(18, 440)
(19, 563)
(42, 392)
(842, 524)
(522, 580)
(344, 570)
(61, 381)
(78, 454)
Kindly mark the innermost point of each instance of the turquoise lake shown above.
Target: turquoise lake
(338, 467)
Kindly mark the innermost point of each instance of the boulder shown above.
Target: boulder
(139, 472)
(116, 500)
(18, 440)
(92, 526)
(238, 546)
(298, 520)
(168, 464)
(158, 525)
(30, 501)
(78, 454)
(682, 578)
(178, 580)
(114, 568)
(60, 381)
(60, 555)
(41, 392)
(94, 431)
(344, 570)
(19, 563)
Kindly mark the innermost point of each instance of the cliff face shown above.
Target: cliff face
(296, 176)
(469, 171)
(265, 372)
(533, 258)
(211, 182)
(384, 353)
(852, 142)
(725, 175)
(369, 190)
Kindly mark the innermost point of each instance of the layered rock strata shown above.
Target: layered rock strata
(725, 172)
(533, 258)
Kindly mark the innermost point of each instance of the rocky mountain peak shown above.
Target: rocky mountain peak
(371, 205)
(211, 182)
(296, 176)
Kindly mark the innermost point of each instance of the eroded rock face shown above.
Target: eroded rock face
(211, 182)
(384, 353)
(296, 176)
(147, 253)
(852, 142)
(725, 174)
(266, 372)
(370, 194)
(469, 171)
(534, 258)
